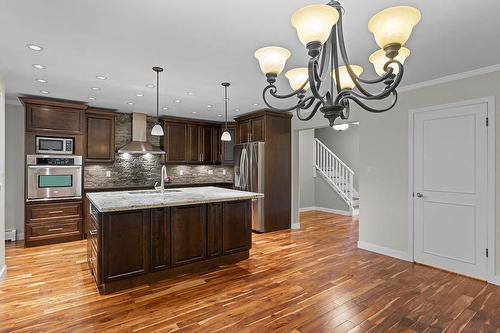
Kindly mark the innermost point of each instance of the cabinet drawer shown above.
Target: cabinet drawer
(48, 211)
(65, 227)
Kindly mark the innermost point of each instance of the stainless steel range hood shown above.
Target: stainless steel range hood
(139, 144)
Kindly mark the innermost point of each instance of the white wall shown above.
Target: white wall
(383, 220)
(3, 268)
(14, 162)
(306, 179)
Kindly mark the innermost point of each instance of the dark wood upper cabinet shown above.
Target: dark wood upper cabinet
(245, 131)
(175, 142)
(206, 145)
(100, 136)
(252, 130)
(194, 143)
(189, 234)
(216, 145)
(52, 116)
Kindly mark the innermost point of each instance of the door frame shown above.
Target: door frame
(491, 233)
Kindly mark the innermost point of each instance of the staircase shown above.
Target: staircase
(336, 174)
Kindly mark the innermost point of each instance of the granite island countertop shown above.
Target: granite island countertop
(143, 199)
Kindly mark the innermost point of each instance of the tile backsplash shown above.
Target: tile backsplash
(129, 170)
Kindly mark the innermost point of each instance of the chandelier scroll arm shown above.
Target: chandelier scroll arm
(272, 91)
(370, 109)
(312, 114)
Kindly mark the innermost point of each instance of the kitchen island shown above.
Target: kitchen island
(138, 237)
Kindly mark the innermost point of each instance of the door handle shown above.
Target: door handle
(420, 195)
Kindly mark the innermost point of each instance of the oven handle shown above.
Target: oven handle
(55, 166)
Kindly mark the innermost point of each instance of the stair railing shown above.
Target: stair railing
(334, 170)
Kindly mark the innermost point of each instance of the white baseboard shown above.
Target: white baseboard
(326, 210)
(296, 226)
(20, 236)
(495, 280)
(384, 250)
(3, 272)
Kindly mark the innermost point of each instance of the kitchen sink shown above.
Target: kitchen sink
(152, 192)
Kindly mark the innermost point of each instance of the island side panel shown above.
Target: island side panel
(236, 226)
(160, 239)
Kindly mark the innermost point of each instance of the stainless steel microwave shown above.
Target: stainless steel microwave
(53, 145)
(51, 177)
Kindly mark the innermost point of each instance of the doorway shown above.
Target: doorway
(452, 161)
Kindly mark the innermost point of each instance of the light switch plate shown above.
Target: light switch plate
(181, 172)
(108, 173)
(224, 172)
(210, 171)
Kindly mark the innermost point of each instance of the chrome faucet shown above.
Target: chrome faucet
(162, 180)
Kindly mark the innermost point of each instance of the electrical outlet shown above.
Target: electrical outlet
(181, 172)
(108, 173)
(224, 172)
(210, 171)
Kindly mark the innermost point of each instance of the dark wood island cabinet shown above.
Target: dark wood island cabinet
(133, 247)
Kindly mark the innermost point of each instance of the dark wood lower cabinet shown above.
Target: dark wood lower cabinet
(130, 248)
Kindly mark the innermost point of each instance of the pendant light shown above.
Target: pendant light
(226, 136)
(157, 128)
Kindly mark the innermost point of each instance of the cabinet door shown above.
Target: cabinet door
(214, 229)
(258, 129)
(45, 118)
(206, 138)
(236, 226)
(194, 143)
(189, 234)
(228, 148)
(245, 131)
(160, 238)
(100, 138)
(216, 145)
(175, 142)
(125, 243)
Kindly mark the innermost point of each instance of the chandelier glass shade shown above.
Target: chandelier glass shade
(330, 82)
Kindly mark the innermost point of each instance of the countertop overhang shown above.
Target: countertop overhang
(131, 200)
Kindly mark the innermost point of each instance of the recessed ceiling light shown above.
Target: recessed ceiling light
(236, 110)
(191, 93)
(38, 66)
(34, 47)
(100, 77)
(150, 85)
(194, 112)
(41, 80)
(255, 104)
(177, 100)
(130, 103)
(95, 88)
(139, 95)
(165, 108)
(92, 98)
(219, 115)
(209, 106)
(44, 92)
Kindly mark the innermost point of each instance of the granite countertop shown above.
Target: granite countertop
(151, 186)
(130, 200)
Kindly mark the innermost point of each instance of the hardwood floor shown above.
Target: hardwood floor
(312, 280)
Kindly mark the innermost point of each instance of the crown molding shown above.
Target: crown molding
(451, 78)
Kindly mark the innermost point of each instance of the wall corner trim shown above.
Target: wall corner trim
(296, 226)
(384, 250)
(3, 272)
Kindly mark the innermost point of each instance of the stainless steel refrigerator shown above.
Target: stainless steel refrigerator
(249, 176)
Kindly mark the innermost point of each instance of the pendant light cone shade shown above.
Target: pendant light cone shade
(272, 59)
(340, 127)
(314, 23)
(378, 59)
(345, 79)
(226, 136)
(157, 129)
(297, 77)
(394, 25)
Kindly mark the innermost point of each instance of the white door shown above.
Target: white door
(450, 189)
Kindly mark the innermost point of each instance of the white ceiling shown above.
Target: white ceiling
(203, 43)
